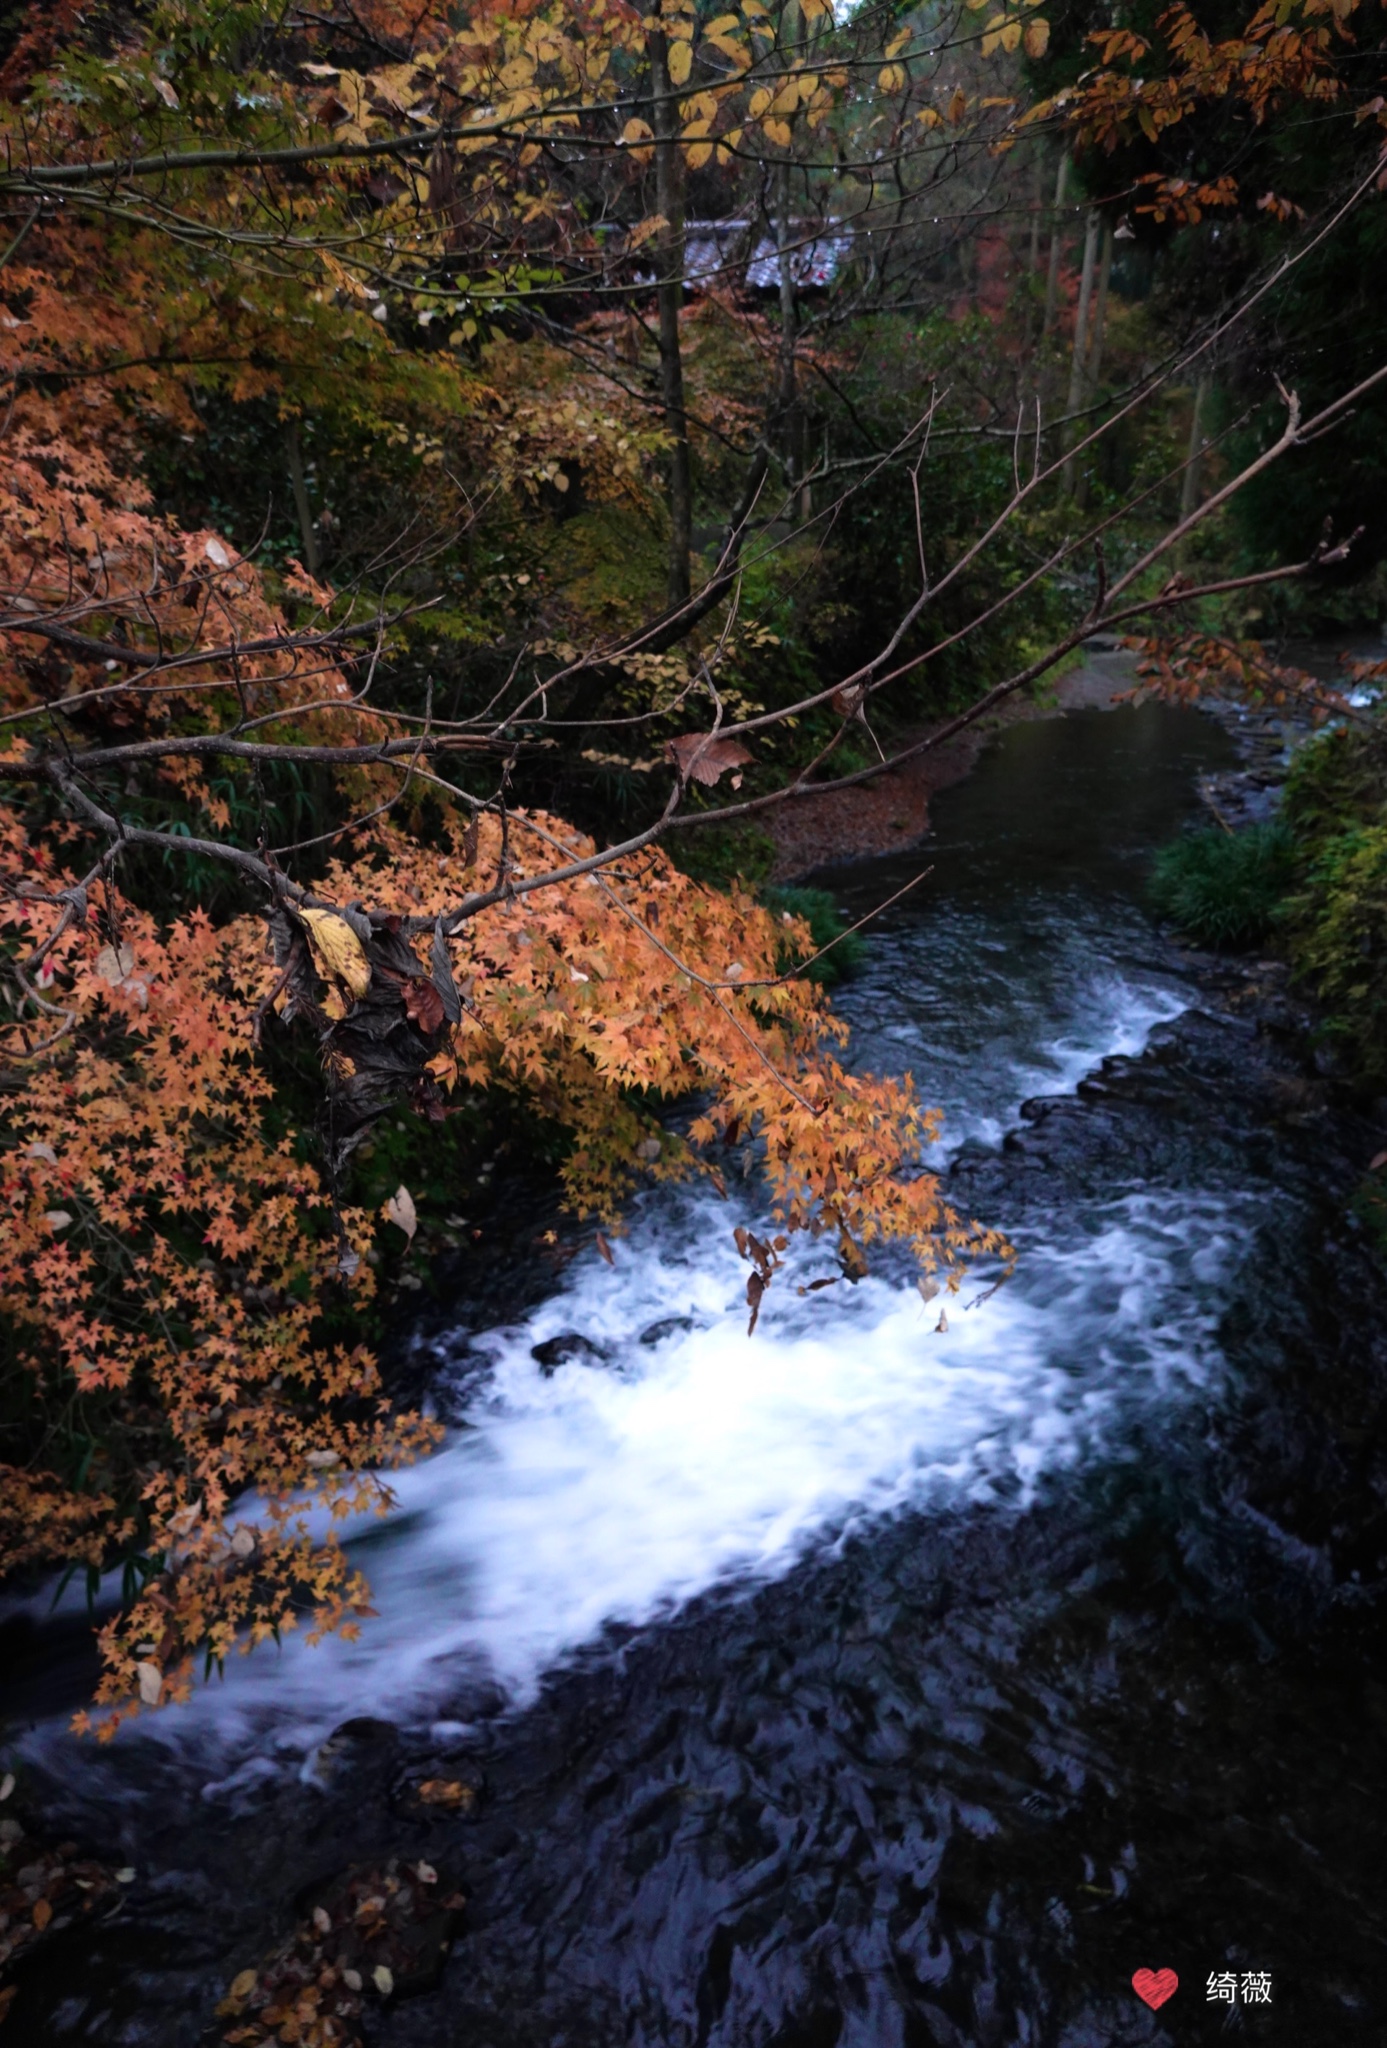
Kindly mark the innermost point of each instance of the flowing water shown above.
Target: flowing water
(881, 1678)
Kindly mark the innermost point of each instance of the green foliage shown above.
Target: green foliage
(1223, 888)
(1336, 802)
(724, 854)
(1340, 922)
(818, 910)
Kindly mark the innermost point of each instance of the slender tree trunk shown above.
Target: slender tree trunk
(1097, 332)
(298, 483)
(669, 201)
(1033, 255)
(1189, 489)
(1077, 361)
(788, 400)
(1100, 316)
(1052, 280)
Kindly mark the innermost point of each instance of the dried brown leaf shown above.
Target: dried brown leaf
(705, 757)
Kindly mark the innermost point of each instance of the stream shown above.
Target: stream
(879, 1680)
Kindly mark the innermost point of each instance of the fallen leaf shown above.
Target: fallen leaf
(383, 1980)
(6, 1785)
(755, 1288)
(216, 554)
(322, 1920)
(426, 1873)
(446, 1792)
(400, 1210)
(928, 1288)
(1373, 1164)
(166, 92)
(242, 1986)
(604, 1248)
(42, 1914)
(942, 1325)
(704, 757)
(337, 950)
(243, 1541)
(352, 1979)
(126, 1875)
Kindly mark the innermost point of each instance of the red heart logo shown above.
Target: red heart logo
(1154, 1987)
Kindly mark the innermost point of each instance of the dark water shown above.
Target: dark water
(876, 1686)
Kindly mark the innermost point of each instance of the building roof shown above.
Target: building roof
(723, 249)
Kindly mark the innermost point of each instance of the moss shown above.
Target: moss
(1223, 889)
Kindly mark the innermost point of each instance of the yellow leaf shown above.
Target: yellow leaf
(898, 43)
(637, 131)
(242, 1986)
(891, 77)
(929, 117)
(644, 229)
(759, 101)
(337, 951)
(1037, 38)
(723, 23)
(778, 131)
(1011, 36)
(680, 63)
(699, 154)
(957, 107)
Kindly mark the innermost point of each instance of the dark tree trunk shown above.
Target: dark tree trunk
(669, 201)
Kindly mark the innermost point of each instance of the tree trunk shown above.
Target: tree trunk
(788, 405)
(298, 483)
(1097, 331)
(1189, 489)
(669, 201)
(1100, 318)
(1033, 256)
(1052, 281)
(1077, 381)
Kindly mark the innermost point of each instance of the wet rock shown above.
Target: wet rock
(570, 1347)
(668, 1326)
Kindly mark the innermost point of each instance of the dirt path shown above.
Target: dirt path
(892, 813)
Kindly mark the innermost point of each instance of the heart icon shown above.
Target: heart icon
(1154, 1987)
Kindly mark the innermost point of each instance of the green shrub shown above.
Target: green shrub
(1338, 926)
(1223, 888)
(819, 911)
